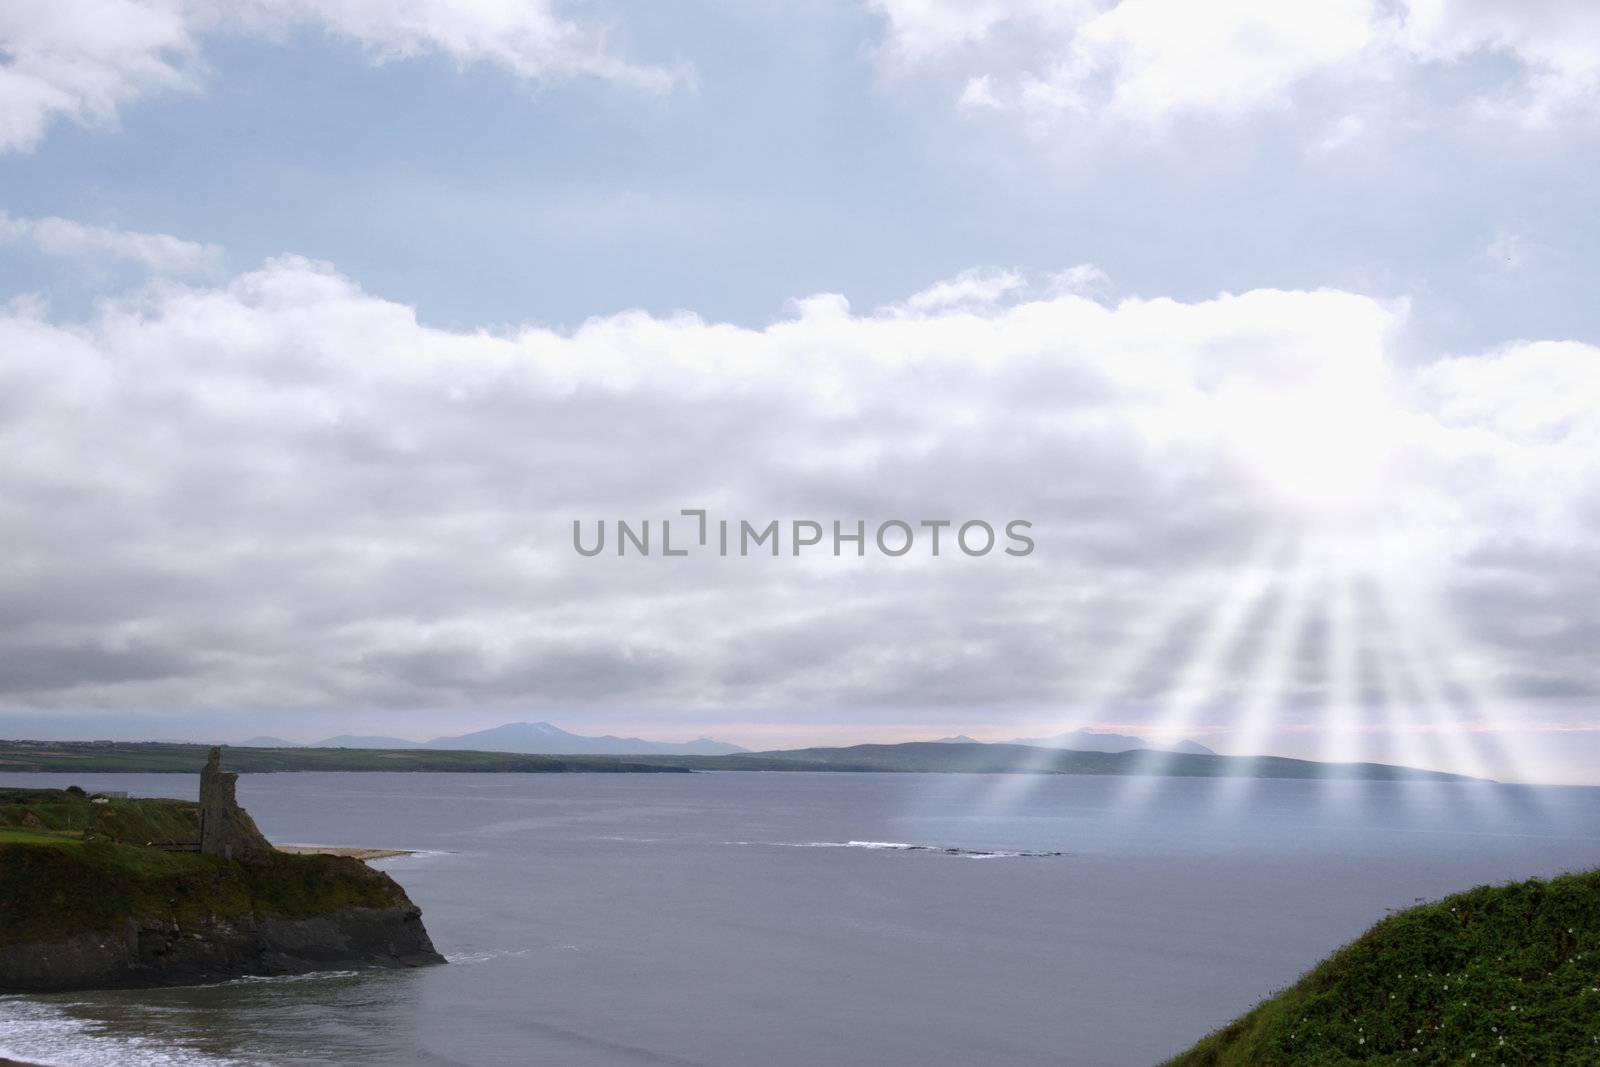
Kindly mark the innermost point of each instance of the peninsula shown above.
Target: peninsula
(106, 892)
(84, 757)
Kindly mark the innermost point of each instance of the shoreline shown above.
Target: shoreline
(352, 852)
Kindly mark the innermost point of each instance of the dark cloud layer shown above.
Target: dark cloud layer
(286, 494)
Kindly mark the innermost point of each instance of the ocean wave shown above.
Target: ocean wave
(33, 1032)
(283, 979)
(906, 846)
(497, 954)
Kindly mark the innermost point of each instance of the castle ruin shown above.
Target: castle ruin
(226, 829)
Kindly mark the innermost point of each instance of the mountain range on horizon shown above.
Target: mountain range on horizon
(530, 738)
(1088, 741)
(543, 738)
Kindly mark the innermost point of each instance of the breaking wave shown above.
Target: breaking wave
(35, 1032)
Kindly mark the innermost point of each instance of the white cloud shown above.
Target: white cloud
(1145, 60)
(1084, 279)
(979, 286)
(1555, 42)
(926, 29)
(84, 60)
(1152, 60)
(529, 38)
(286, 492)
(1166, 57)
(156, 252)
(979, 94)
(1346, 131)
(982, 289)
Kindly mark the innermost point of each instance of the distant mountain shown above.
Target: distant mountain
(365, 741)
(998, 757)
(958, 739)
(1104, 741)
(544, 739)
(1084, 741)
(267, 742)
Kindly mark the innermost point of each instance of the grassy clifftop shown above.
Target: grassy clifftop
(70, 864)
(1497, 975)
(26, 814)
(52, 892)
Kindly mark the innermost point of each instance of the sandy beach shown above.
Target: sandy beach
(341, 850)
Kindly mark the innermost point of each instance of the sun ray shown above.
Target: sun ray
(1497, 755)
(1449, 741)
(1201, 678)
(1271, 673)
(1402, 695)
(1342, 741)
(1100, 693)
(1433, 702)
(1110, 683)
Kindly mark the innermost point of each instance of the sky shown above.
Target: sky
(322, 323)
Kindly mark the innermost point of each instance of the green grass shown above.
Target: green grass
(38, 837)
(139, 822)
(69, 865)
(84, 757)
(1497, 975)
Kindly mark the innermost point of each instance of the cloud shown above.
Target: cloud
(1341, 134)
(1160, 58)
(284, 492)
(529, 38)
(1150, 61)
(975, 287)
(1555, 45)
(85, 60)
(920, 30)
(156, 252)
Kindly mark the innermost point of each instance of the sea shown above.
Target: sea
(730, 919)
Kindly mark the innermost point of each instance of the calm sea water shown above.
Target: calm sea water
(737, 918)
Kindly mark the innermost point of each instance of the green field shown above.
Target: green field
(913, 756)
(1497, 975)
(162, 757)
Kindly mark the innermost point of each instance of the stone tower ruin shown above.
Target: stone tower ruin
(226, 829)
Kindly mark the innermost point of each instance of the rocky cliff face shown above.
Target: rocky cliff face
(102, 893)
(216, 922)
(142, 954)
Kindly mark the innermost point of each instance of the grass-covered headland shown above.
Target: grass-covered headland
(1496, 975)
(69, 863)
(98, 891)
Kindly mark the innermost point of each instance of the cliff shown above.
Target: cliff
(1498, 974)
(103, 893)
